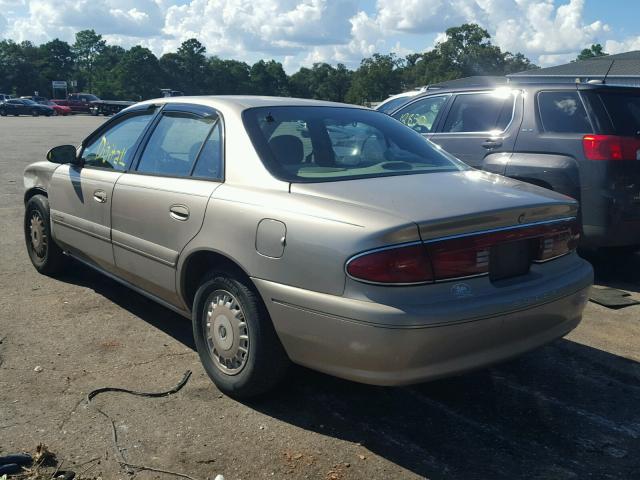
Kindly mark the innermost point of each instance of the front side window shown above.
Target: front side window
(480, 112)
(392, 104)
(563, 112)
(113, 148)
(175, 144)
(318, 144)
(421, 115)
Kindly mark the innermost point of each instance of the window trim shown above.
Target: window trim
(113, 121)
(441, 112)
(196, 110)
(480, 132)
(541, 126)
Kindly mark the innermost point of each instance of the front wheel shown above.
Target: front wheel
(35, 113)
(43, 251)
(235, 338)
(3, 113)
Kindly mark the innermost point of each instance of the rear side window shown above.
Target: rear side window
(422, 114)
(392, 104)
(480, 112)
(175, 144)
(624, 112)
(563, 112)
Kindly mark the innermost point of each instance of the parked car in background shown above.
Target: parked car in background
(36, 98)
(4, 97)
(23, 106)
(582, 140)
(58, 109)
(314, 232)
(89, 103)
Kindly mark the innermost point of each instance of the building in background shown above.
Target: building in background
(619, 69)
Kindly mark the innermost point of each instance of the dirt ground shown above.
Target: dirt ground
(570, 410)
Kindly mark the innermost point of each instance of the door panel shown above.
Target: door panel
(479, 124)
(148, 234)
(80, 200)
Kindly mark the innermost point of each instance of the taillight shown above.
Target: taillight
(611, 147)
(558, 241)
(399, 265)
(467, 255)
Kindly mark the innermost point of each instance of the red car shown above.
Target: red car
(58, 109)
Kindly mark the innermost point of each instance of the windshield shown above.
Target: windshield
(394, 103)
(320, 144)
(624, 112)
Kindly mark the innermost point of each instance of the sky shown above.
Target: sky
(301, 32)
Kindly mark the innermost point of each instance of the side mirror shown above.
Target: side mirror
(64, 154)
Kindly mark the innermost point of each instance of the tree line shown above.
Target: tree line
(113, 72)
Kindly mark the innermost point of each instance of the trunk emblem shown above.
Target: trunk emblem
(461, 290)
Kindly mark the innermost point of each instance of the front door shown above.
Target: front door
(159, 205)
(478, 124)
(81, 197)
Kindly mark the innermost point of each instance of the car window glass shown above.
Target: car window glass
(311, 144)
(421, 115)
(563, 112)
(392, 104)
(113, 148)
(624, 111)
(480, 112)
(174, 144)
(209, 163)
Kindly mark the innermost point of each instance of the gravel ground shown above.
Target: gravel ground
(566, 411)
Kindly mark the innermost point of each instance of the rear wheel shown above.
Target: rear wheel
(3, 113)
(35, 113)
(235, 338)
(43, 251)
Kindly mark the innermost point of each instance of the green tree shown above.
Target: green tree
(192, 66)
(227, 77)
(595, 50)
(466, 51)
(377, 77)
(322, 81)
(138, 74)
(105, 83)
(87, 47)
(268, 78)
(56, 63)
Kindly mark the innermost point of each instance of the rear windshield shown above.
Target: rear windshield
(320, 144)
(624, 111)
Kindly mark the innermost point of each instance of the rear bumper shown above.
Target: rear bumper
(370, 345)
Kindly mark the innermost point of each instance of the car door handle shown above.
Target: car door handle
(489, 144)
(179, 212)
(100, 196)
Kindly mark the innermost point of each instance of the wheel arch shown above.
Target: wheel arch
(32, 192)
(197, 264)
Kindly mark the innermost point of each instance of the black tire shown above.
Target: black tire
(35, 113)
(265, 363)
(45, 255)
(3, 113)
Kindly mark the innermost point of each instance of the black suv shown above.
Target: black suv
(582, 140)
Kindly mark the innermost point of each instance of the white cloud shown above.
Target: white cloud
(299, 32)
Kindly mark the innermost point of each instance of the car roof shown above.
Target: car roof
(240, 103)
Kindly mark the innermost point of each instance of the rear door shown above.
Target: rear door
(81, 197)
(477, 124)
(159, 205)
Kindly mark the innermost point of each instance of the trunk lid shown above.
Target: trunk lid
(449, 203)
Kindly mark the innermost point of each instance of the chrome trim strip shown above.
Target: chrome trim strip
(58, 221)
(500, 229)
(450, 237)
(144, 254)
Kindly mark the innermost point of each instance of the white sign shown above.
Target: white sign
(58, 84)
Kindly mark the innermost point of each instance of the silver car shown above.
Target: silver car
(323, 234)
